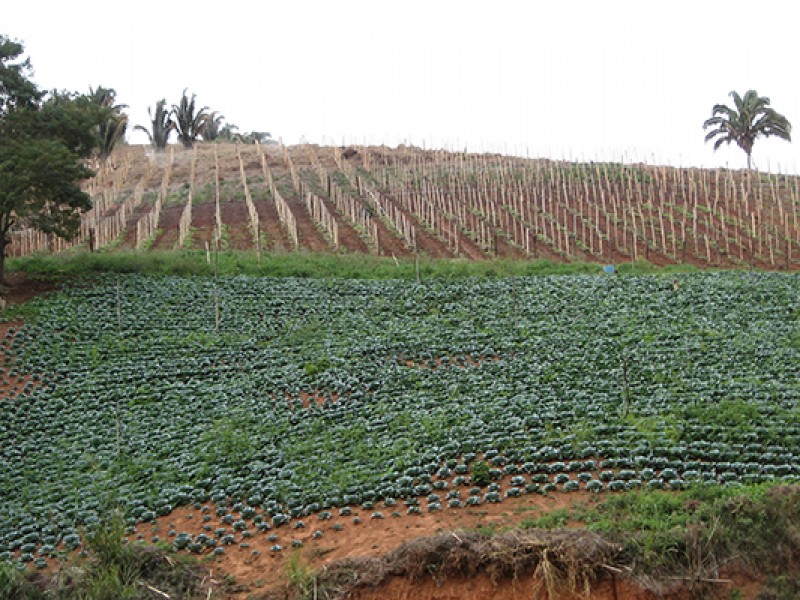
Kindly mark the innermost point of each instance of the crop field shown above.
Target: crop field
(274, 400)
(408, 201)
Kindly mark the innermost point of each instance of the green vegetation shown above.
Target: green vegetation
(551, 520)
(111, 130)
(110, 568)
(300, 575)
(414, 386)
(43, 141)
(190, 122)
(161, 125)
(682, 545)
(306, 265)
(693, 533)
(480, 473)
(750, 119)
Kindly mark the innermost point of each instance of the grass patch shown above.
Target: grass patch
(301, 575)
(693, 533)
(672, 542)
(113, 570)
(551, 520)
(293, 264)
(148, 243)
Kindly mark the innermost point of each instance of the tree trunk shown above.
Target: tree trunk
(3, 244)
(749, 162)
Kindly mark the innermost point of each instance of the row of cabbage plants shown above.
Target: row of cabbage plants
(313, 395)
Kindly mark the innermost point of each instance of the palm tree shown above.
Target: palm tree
(256, 137)
(188, 123)
(213, 127)
(750, 119)
(229, 133)
(112, 128)
(161, 125)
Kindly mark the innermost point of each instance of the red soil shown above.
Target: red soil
(203, 224)
(259, 571)
(310, 237)
(270, 224)
(237, 225)
(20, 287)
(168, 224)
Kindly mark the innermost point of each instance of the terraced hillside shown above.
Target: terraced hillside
(397, 202)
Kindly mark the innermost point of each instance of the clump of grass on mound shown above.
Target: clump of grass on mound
(667, 541)
(113, 570)
(560, 561)
(687, 538)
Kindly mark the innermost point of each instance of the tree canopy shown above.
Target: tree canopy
(44, 137)
(750, 118)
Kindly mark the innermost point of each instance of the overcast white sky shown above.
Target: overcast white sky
(571, 79)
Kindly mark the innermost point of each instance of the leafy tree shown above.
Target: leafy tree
(161, 125)
(16, 90)
(190, 123)
(43, 141)
(750, 119)
(113, 128)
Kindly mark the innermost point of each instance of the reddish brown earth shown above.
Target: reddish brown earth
(21, 287)
(349, 240)
(237, 225)
(479, 588)
(310, 236)
(203, 223)
(258, 570)
(271, 226)
(342, 537)
(168, 224)
(388, 243)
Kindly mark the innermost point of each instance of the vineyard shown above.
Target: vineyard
(273, 405)
(408, 201)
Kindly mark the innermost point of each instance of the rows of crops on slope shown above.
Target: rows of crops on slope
(397, 202)
(556, 383)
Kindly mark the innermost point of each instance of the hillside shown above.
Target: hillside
(396, 202)
(256, 421)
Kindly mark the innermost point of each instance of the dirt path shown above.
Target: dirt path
(310, 237)
(270, 224)
(168, 224)
(129, 241)
(203, 225)
(237, 225)
(428, 244)
(388, 243)
(349, 239)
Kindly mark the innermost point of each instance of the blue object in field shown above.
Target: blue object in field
(609, 269)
